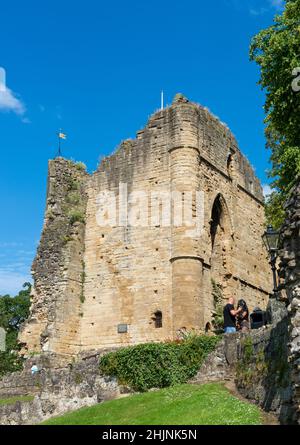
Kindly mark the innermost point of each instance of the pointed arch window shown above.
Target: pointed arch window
(215, 222)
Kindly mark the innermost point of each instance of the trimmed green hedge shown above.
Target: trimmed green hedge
(157, 365)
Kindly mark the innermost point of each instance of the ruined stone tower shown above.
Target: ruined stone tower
(139, 278)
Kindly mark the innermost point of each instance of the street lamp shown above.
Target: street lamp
(271, 239)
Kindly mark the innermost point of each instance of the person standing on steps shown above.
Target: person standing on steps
(230, 316)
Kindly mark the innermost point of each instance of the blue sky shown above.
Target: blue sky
(96, 69)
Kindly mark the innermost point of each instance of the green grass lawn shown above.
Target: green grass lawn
(12, 400)
(209, 404)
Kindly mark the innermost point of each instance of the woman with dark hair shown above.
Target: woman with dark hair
(243, 317)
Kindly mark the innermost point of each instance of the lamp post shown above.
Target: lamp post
(271, 239)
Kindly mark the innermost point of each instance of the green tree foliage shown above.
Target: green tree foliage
(277, 51)
(274, 209)
(13, 311)
(158, 365)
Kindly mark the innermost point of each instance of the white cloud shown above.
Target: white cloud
(266, 190)
(11, 244)
(259, 11)
(11, 282)
(25, 252)
(25, 120)
(257, 7)
(277, 4)
(10, 102)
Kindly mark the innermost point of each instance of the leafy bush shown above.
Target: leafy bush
(76, 216)
(73, 184)
(73, 198)
(13, 312)
(77, 164)
(157, 365)
(49, 214)
(80, 166)
(66, 239)
(10, 362)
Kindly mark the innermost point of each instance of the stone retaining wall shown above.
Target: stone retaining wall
(56, 390)
(290, 274)
(258, 362)
(262, 372)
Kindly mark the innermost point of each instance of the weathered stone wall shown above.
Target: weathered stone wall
(290, 274)
(56, 389)
(262, 370)
(258, 363)
(131, 272)
(217, 367)
(265, 362)
(58, 268)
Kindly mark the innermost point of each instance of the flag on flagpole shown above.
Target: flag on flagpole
(61, 136)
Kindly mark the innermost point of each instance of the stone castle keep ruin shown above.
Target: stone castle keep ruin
(98, 286)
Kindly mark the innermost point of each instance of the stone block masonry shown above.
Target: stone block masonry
(58, 268)
(258, 364)
(265, 363)
(56, 389)
(117, 284)
(290, 274)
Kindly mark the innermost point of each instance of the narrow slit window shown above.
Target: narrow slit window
(158, 319)
(230, 165)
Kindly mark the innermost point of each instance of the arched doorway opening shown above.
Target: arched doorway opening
(221, 243)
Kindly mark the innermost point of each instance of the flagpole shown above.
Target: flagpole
(60, 135)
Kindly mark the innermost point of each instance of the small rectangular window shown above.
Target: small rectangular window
(158, 319)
